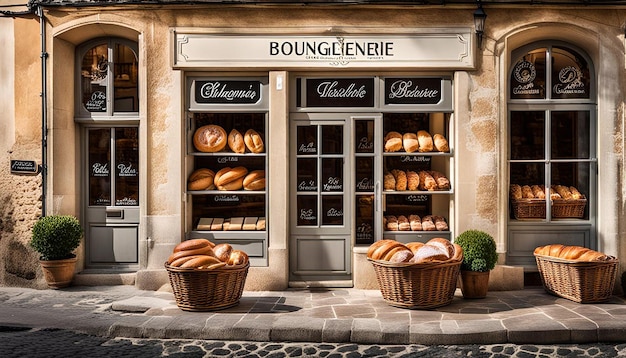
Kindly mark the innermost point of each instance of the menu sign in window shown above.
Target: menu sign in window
(227, 92)
(413, 90)
(340, 92)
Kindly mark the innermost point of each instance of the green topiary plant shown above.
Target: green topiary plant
(55, 237)
(479, 251)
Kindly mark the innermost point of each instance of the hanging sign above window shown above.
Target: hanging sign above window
(432, 48)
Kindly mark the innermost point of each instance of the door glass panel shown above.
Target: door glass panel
(99, 167)
(527, 135)
(570, 135)
(364, 136)
(364, 174)
(307, 210)
(332, 209)
(94, 73)
(127, 166)
(332, 174)
(364, 219)
(307, 140)
(307, 174)
(332, 139)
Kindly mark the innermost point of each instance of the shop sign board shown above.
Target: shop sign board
(340, 92)
(24, 167)
(430, 48)
(227, 92)
(414, 90)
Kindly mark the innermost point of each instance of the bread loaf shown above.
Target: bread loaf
(437, 249)
(238, 257)
(403, 223)
(416, 222)
(428, 224)
(393, 142)
(210, 138)
(255, 180)
(201, 179)
(575, 253)
(253, 141)
(230, 178)
(206, 250)
(400, 178)
(200, 262)
(427, 182)
(412, 180)
(442, 181)
(385, 248)
(235, 142)
(389, 181)
(222, 251)
(193, 244)
(425, 141)
(409, 142)
(515, 191)
(440, 143)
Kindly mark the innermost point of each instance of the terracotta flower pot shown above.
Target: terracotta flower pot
(474, 284)
(58, 273)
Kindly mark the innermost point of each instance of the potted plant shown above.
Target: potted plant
(55, 238)
(479, 258)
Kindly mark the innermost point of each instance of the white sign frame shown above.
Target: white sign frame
(451, 48)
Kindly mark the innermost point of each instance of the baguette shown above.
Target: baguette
(576, 253)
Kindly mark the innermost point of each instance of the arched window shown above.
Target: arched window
(551, 153)
(108, 79)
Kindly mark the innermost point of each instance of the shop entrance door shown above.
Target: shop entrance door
(320, 191)
(111, 180)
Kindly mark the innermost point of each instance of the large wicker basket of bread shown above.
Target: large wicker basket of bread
(205, 276)
(576, 273)
(416, 275)
(529, 201)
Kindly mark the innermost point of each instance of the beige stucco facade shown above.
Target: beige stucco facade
(480, 114)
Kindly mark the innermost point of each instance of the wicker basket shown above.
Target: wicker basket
(578, 281)
(536, 208)
(207, 290)
(417, 286)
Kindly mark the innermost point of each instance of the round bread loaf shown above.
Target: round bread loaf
(235, 141)
(222, 251)
(201, 179)
(210, 138)
(253, 141)
(238, 257)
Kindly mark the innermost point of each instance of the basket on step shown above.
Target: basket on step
(578, 281)
(417, 286)
(207, 289)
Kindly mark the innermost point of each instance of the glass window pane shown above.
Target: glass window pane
(127, 166)
(332, 209)
(528, 76)
(99, 167)
(570, 75)
(364, 174)
(570, 186)
(527, 135)
(307, 140)
(307, 174)
(94, 74)
(332, 139)
(570, 135)
(125, 75)
(528, 174)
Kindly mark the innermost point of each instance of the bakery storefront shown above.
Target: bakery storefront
(304, 142)
(369, 152)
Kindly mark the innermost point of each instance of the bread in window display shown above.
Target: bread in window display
(416, 222)
(427, 182)
(389, 181)
(255, 180)
(515, 191)
(393, 142)
(413, 180)
(236, 142)
(201, 179)
(400, 178)
(441, 143)
(403, 223)
(425, 141)
(253, 141)
(442, 181)
(229, 178)
(210, 138)
(536, 191)
(409, 142)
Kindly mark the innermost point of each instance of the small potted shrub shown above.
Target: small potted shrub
(479, 257)
(55, 238)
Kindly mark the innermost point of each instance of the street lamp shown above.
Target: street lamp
(479, 23)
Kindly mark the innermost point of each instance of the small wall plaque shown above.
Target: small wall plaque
(24, 167)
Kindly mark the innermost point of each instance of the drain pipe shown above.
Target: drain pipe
(44, 111)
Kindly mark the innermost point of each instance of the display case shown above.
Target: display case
(235, 211)
(411, 198)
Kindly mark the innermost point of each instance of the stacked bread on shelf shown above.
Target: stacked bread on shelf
(518, 192)
(248, 223)
(204, 254)
(410, 142)
(414, 223)
(227, 178)
(424, 180)
(212, 138)
(435, 250)
(575, 253)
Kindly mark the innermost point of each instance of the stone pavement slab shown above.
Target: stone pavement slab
(318, 315)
